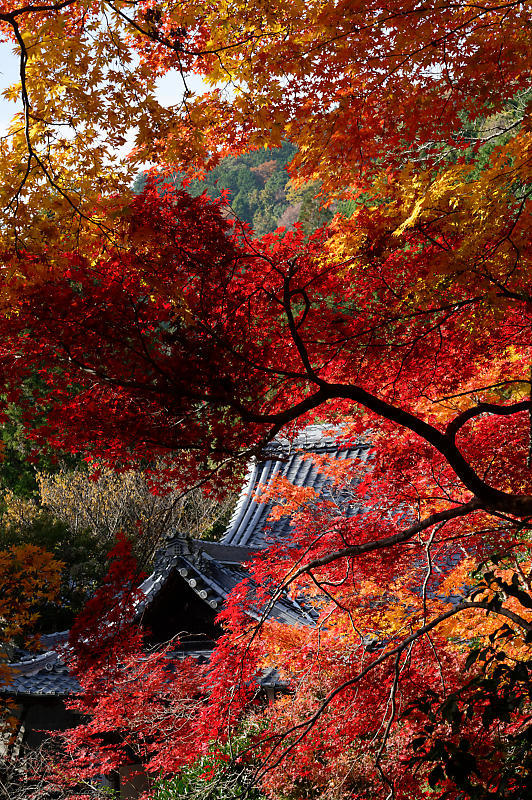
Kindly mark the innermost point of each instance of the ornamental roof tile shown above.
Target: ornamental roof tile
(213, 569)
(43, 674)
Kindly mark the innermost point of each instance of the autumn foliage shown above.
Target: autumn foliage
(163, 332)
(29, 575)
(358, 87)
(135, 703)
(402, 589)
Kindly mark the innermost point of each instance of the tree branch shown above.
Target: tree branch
(388, 541)
(485, 408)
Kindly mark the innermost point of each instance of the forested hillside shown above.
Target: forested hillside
(259, 190)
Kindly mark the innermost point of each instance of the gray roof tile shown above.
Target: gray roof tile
(249, 524)
(213, 569)
(44, 674)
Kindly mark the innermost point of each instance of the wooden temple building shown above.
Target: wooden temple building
(189, 584)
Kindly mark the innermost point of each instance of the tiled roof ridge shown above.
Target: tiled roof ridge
(210, 568)
(33, 664)
(320, 436)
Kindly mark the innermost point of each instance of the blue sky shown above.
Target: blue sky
(169, 87)
(8, 75)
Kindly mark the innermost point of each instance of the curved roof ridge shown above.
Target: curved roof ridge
(249, 524)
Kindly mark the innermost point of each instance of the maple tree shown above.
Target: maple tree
(88, 74)
(160, 329)
(29, 575)
(239, 338)
(141, 707)
(81, 554)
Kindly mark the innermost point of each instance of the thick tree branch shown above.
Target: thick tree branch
(484, 408)
(387, 541)
(488, 497)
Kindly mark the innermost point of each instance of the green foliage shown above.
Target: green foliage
(20, 457)
(482, 136)
(259, 190)
(84, 559)
(219, 775)
(17, 472)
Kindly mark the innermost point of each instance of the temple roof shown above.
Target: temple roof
(212, 569)
(203, 566)
(249, 525)
(41, 674)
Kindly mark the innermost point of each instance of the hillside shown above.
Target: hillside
(260, 191)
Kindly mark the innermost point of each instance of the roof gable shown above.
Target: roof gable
(249, 525)
(212, 569)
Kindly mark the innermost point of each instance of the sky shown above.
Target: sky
(169, 88)
(8, 74)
